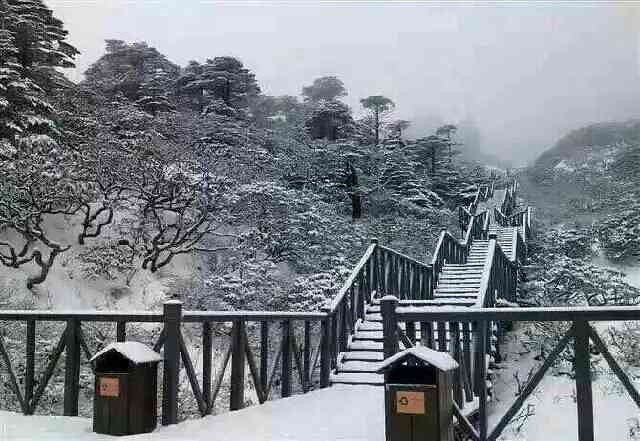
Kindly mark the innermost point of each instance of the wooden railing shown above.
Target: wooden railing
(580, 333)
(451, 250)
(301, 341)
(483, 193)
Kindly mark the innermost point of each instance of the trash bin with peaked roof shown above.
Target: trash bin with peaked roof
(419, 395)
(125, 389)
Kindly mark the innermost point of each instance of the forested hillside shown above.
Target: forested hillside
(150, 180)
(586, 192)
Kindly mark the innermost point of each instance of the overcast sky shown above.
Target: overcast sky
(525, 73)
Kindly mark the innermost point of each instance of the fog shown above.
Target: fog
(523, 74)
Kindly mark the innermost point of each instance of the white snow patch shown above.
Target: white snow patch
(336, 413)
(564, 166)
(132, 350)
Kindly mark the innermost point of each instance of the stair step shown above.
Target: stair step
(370, 326)
(456, 296)
(454, 278)
(456, 288)
(359, 366)
(357, 378)
(364, 345)
(363, 356)
(368, 336)
(373, 317)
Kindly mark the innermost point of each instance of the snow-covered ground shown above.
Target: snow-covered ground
(351, 413)
(356, 413)
(553, 402)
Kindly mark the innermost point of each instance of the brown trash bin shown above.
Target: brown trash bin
(126, 376)
(419, 395)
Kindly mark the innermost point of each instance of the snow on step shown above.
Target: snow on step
(363, 356)
(368, 335)
(357, 378)
(359, 366)
(363, 345)
(370, 326)
(373, 317)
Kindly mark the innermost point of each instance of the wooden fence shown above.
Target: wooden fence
(306, 354)
(483, 321)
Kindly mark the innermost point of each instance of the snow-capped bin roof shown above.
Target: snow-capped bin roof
(439, 360)
(135, 352)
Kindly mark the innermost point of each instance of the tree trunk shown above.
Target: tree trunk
(433, 161)
(356, 205)
(377, 126)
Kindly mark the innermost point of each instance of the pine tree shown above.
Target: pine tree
(220, 78)
(127, 67)
(31, 47)
(154, 96)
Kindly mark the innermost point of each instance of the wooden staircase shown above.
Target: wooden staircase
(458, 284)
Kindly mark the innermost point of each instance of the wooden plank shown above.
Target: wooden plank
(481, 347)
(389, 325)
(29, 373)
(531, 385)
(87, 353)
(285, 377)
(454, 330)
(253, 370)
(219, 378)
(615, 367)
(191, 375)
(121, 331)
(297, 358)
(236, 396)
(346, 286)
(264, 355)
(171, 372)
(306, 357)
(12, 377)
(546, 314)
(583, 381)
(206, 362)
(325, 354)
(72, 369)
(160, 341)
(46, 376)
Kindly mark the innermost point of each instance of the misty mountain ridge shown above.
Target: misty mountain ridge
(591, 147)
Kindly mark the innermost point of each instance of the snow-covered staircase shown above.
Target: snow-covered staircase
(458, 284)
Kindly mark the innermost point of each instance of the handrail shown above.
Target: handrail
(484, 320)
(351, 279)
(404, 256)
(154, 317)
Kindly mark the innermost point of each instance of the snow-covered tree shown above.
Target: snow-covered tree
(329, 88)
(379, 108)
(223, 78)
(127, 67)
(154, 95)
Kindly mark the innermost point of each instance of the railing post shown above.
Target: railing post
(286, 359)
(72, 368)
(121, 331)
(325, 354)
(306, 357)
(236, 398)
(30, 365)
(374, 269)
(583, 381)
(481, 348)
(389, 325)
(172, 312)
(206, 363)
(264, 356)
